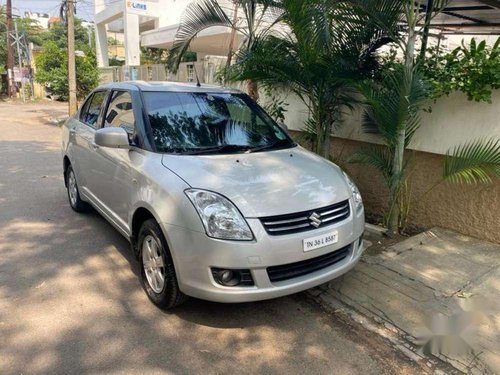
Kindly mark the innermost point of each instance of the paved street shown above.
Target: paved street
(71, 302)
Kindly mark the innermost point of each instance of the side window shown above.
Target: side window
(120, 113)
(90, 112)
(85, 108)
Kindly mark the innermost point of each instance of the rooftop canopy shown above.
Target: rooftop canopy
(467, 16)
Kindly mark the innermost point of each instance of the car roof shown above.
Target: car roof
(163, 86)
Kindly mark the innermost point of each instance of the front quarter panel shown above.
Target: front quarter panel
(162, 192)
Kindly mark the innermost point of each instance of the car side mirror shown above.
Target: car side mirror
(112, 137)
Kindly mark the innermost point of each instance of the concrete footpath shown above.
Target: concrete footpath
(437, 292)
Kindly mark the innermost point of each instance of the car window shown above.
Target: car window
(85, 107)
(191, 122)
(90, 114)
(120, 113)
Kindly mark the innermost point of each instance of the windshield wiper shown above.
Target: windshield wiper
(217, 149)
(277, 143)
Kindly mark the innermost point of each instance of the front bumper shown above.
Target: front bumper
(195, 253)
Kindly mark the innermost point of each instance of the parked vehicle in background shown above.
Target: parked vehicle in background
(217, 200)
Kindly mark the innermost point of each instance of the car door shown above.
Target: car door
(111, 178)
(89, 121)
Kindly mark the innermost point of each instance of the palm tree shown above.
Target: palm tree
(258, 17)
(413, 20)
(318, 51)
(393, 106)
(390, 105)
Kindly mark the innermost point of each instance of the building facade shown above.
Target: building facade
(152, 23)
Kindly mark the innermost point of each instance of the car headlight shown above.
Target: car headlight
(220, 217)
(356, 195)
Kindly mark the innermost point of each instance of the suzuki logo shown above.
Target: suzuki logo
(315, 220)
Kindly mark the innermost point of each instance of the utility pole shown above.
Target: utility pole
(70, 15)
(20, 62)
(10, 52)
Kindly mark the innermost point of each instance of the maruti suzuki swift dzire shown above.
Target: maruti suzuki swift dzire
(217, 200)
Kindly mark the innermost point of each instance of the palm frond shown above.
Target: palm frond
(198, 16)
(384, 14)
(309, 133)
(259, 16)
(393, 104)
(477, 161)
(378, 157)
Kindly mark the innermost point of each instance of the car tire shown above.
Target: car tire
(75, 201)
(157, 268)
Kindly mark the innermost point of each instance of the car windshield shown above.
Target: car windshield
(211, 123)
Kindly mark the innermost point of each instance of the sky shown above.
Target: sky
(84, 8)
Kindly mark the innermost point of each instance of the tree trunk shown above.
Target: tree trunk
(397, 172)
(397, 165)
(325, 152)
(318, 121)
(253, 89)
(233, 35)
(326, 146)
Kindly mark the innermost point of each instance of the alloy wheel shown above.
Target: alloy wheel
(152, 260)
(72, 188)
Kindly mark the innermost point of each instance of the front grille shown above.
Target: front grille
(304, 267)
(302, 221)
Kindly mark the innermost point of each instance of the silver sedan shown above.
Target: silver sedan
(217, 200)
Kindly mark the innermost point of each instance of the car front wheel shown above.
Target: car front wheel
(157, 269)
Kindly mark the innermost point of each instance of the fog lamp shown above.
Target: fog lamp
(228, 277)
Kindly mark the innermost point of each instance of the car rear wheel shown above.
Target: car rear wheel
(75, 201)
(157, 269)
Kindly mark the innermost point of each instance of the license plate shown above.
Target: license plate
(313, 243)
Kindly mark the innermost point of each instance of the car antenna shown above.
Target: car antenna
(198, 84)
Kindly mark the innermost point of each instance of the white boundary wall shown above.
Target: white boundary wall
(453, 120)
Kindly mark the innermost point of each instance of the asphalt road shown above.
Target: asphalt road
(71, 301)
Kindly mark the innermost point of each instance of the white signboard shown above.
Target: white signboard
(137, 6)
